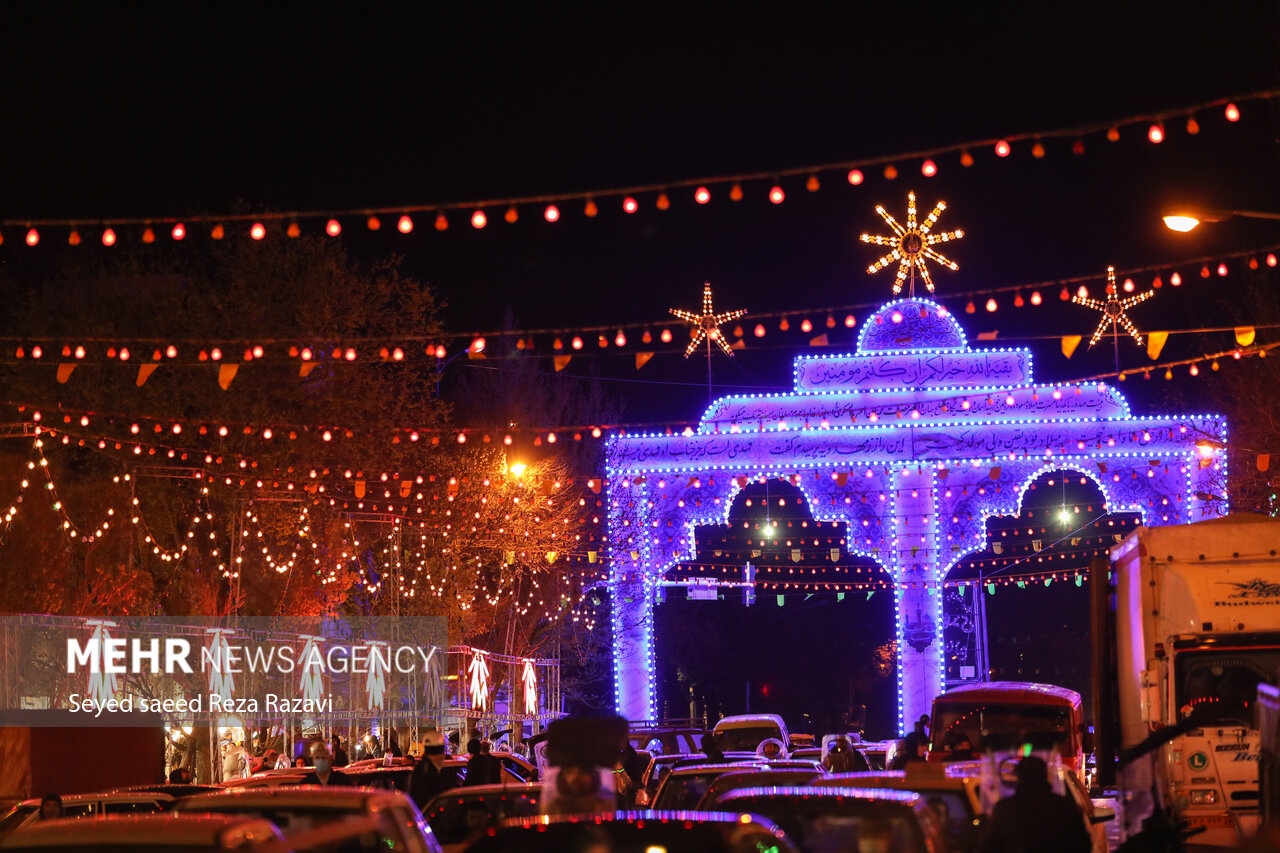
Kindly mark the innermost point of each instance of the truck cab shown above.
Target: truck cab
(1002, 715)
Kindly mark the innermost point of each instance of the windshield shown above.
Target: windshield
(825, 827)
(454, 819)
(1001, 725)
(685, 791)
(1223, 684)
(745, 739)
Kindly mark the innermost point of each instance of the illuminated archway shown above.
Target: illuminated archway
(913, 441)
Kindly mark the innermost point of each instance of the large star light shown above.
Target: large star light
(1113, 309)
(912, 244)
(707, 324)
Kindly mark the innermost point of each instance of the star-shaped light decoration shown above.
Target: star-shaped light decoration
(1113, 309)
(912, 244)
(707, 323)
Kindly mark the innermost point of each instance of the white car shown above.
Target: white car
(159, 832)
(88, 805)
(748, 731)
(302, 808)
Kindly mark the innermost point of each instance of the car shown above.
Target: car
(636, 830)
(801, 741)
(684, 787)
(518, 765)
(701, 758)
(176, 790)
(658, 767)
(954, 798)
(752, 778)
(821, 819)
(156, 832)
(267, 779)
(875, 752)
(385, 778)
(748, 731)
(301, 808)
(353, 835)
(88, 805)
(448, 812)
(795, 764)
(811, 753)
(667, 739)
(993, 786)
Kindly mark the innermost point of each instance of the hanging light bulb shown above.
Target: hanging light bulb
(479, 220)
(702, 195)
(590, 209)
(551, 214)
(630, 205)
(992, 305)
(1193, 126)
(1003, 148)
(333, 228)
(404, 224)
(812, 184)
(1232, 112)
(442, 222)
(966, 159)
(776, 195)
(735, 192)
(1155, 133)
(1035, 297)
(178, 231)
(928, 168)
(257, 231)
(890, 172)
(373, 223)
(1175, 279)
(108, 237)
(663, 202)
(856, 177)
(33, 236)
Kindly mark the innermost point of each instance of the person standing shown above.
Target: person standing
(50, 807)
(711, 750)
(324, 774)
(1034, 818)
(427, 780)
(340, 758)
(482, 768)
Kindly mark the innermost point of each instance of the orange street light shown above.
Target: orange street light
(1183, 219)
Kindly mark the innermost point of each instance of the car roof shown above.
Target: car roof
(161, 829)
(483, 790)
(815, 792)
(897, 779)
(1017, 691)
(339, 796)
(724, 766)
(632, 816)
(742, 721)
(112, 797)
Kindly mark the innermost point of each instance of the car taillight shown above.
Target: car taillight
(1204, 796)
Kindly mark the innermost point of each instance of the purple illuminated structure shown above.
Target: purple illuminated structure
(913, 442)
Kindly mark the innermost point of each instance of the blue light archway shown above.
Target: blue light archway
(913, 441)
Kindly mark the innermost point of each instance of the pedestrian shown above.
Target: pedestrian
(50, 807)
(324, 774)
(711, 749)
(1035, 818)
(482, 768)
(427, 780)
(235, 762)
(340, 758)
(393, 746)
(180, 776)
(282, 762)
(842, 758)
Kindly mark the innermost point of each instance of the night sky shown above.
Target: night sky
(152, 110)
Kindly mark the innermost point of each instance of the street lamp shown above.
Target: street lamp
(517, 468)
(1185, 219)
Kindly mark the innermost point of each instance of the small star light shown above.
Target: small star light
(1113, 309)
(912, 244)
(707, 323)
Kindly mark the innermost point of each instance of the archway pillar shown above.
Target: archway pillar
(917, 553)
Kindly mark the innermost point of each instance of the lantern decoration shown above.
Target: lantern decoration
(312, 667)
(529, 678)
(707, 324)
(375, 684)
(103, 686)
(1113, 309)
(222, 679)
(479, 670)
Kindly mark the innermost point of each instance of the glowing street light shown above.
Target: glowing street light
(1184, 219)
(517, 469)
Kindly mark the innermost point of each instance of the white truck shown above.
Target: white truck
(1194, 626)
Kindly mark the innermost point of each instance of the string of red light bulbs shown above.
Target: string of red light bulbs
(478, 212)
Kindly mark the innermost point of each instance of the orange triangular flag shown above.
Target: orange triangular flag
(561, 362)
(819, 341)
(226, 373)
(738, 344)
(988, 336)
(1069, 344)
(64, 373)
(1245, 335)
(305, 368)
(144, 373)
(642, 358)
(1155, 343)
(1264, 461)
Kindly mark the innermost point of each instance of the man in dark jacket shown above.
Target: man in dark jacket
(1035, 819)
(324, 774)
(482, 767)
(427, 780)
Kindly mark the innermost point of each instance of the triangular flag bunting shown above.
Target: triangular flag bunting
(642, 358)
(1264, 461)
(819, 341)
(305, 368)
(1069, 344)
(144, 373)
(561, 362)
(226, 373)
(64, 373)
(1155, 343)
(987, 336)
